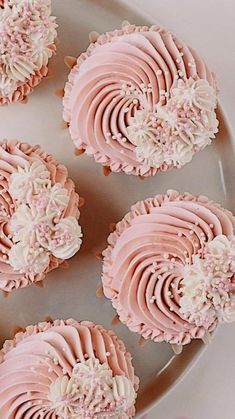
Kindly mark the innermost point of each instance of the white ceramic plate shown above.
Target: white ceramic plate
(72, 292)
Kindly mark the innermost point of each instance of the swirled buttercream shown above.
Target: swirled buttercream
(39, 215)
(169, 268)
(28, 33)
(139, 100)
(66, 370)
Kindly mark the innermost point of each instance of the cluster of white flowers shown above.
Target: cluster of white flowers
(208, 286)
(172, 133)
(38, 227)
(92, 390)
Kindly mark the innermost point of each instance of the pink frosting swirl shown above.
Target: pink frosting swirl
(14, 154)
(95, 106)
(145, 259)
(36, 358)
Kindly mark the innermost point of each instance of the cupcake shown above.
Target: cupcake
(66, 369)
(139, 100)
(38, 215)
(169, 268)
(27, 42)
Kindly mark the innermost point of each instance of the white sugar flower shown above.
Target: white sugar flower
(66, 239)
(181, 153)
(193, 284)
(28, 180)
(140, 128)
(119, 389)
(123, 392)
(227, 313)
(199, 132)
(169, 116)
(92, 369)
(210, 122)
(22, 224)
(150, 154)
(194, 304)
(7, 85)
(62, 395)
(57, 198)
(29, 226)
(92, 391)
(198, 94)
(20, 69)
(222, 251)
(208, 284)
(143, 135)
(27, 260)
(221, 243)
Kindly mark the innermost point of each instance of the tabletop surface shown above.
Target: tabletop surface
(208, 25)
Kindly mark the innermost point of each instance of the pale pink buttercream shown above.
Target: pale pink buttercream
(144, 261)
(19, 47)
(94, 104)
(14, 154)
(36, 358)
